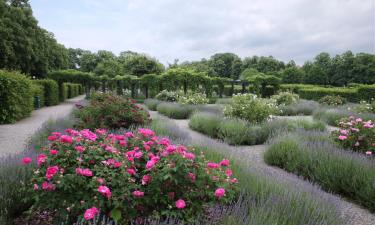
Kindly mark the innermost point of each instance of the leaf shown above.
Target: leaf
(116, 214)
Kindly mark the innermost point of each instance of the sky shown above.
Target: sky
(196, 29)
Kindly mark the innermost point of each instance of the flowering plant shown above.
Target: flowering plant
(126, 176)
(168, 96)
(285, 98)
(334, 100)
(356, 134)
(251, 108)
(365, 107)
(193, 99)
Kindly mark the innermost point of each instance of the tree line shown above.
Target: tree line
(26, 47)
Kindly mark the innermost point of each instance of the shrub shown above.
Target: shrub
(332, 116)
(103, 181)
(233, 131)
(16, 96)
(296, 87)
(366, 92)
(334, 100)
(110, 111)
(206, 123)
(315, 157)
(301, 107)
(365, 107)
(51, 91)
(175, 110)
(72, 90)
(285, 98)
(151, 104)
(319, 92)
(168, 96)
(193, 99)
(356, 134)
(250, 108)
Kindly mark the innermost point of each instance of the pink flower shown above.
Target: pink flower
(368, 124)
(100, 180)
(91, 213)
(48, 186)
(146, 132)
(117, 164)
(369, 153)
(342, 137)
(138, 194)
(171, 148)
(84, 172)
(53, 152)
(344, 132)
(100, 131)
(51, 172)
(138, 155)
(147, 147)
(131, 171)
(146, 179)
(150, 164)
(122, 143)
(52, 138)
(228, 172)
(192, 177)
(189, 155)
(36, 187)
(224, 162)
(212, 165)
(66, 139)
(354, 129)
(129, 134)
(27, 160)
(164, 141)
(41, 159)
(87, 134)
(233, 180)
(79, 148)
(180, 204)
(104, 190)
(220, 192)
(358, 120)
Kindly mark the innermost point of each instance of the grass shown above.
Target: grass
(175, 110)
(314, 156)
(332, 116)
(151, 103)
(302, 107)
(239, 132)
(264, 199)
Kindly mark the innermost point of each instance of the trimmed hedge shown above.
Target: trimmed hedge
(296, 87)
(72, 90)
(16, 96)
(51, 91)
(317, 93)
(366, 92)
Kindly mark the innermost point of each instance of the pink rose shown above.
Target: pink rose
(171, 148)
(84, 172)
(122, 143)
(27, 160)
(105, 191)
(47, 186)
(100, 131)
(164, 141)
(180, 204)
(150, 164)
(146, 132)
(138, 194)
(79, 148)
(66, 139)
(100, 180)
(146, 179)
(192, 177)
(212, 165)
(228, 172)
(53, 152)
(131, 171)
(224, 162)
(117, 164)
(138, 155)
(41, 159)
(344, 132)
(36, 187)
(342, 137)
(129, 134)
(91, 213)
(189, 155)
(51, 172)
(220, 192)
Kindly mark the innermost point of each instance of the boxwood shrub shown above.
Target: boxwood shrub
(319, 92)
(16, 96)
(51, 91)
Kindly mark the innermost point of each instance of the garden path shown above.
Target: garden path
(13, 137)
(350, 212)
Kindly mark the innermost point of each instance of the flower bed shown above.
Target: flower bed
(132, 175)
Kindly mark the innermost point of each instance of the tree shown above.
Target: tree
(109, 67)
(268, 65)
(292, 75)
(226, 64)
(139, 64)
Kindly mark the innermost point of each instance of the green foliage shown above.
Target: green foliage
(193, 99)
(319, 92)
(365, 107)
(315, 157)
(38, 95)
(334, 100)
(110, 111)
(139, 64)
(292, 75)
(16, 93)
(366, 92)
(168, 96)
(301, 107)
(250, 108)
(295, 87)
(205, 123)
(332, 116)
(226, 65)
(72, 90)
(285, 98)
(268, 65)
(223, 100)
(151, 104)
(51, 91)
(175, 110)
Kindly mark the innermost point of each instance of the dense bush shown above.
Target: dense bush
(151, 103)
(334, 100)
(250, 108)
(51, 91)
(193, 99)
(365, 107)
(103, 181)
(285, 98)
(332, 116)
(38, 95)
(315, 157)
(168, 96)
(175, 110)
(110, 111)
(366, 92)
(356, 134)
(301, 107)
(16, 96)
(296, 87)
(72, 90)
(319, 92)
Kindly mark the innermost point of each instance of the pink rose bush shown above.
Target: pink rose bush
(356, 134)
(85, 174)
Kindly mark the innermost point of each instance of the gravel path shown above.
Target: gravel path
(13, 137)
(350, 212)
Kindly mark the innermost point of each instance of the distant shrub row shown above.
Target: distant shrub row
(19, 95)
(352, 94)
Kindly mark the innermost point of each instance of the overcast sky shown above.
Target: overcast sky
(195, 29)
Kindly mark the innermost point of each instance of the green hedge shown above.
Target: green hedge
(296, 87)
(51, 91)
(366, 92)
(38, 95)
(16, 96)
(317, 93)
(72, 90)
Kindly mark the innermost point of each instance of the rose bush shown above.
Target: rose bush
(83, 174)
(110, 111)
(356, 134)
(168, 96)
(285, 98)
(193, 99)
(334, 100)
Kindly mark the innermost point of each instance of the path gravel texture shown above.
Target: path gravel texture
(13, 137)
(351, 213)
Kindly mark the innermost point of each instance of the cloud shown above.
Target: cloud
(191, 30)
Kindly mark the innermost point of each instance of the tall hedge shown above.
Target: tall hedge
(16, 96)
(366, 92)
(38, 95)
(72, 90)
(51, 91)
(317, 93)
